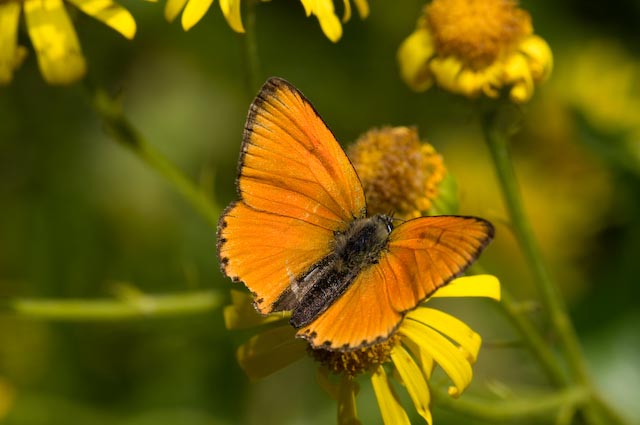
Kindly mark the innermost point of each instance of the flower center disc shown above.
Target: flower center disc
(476, 31)
(353, 363)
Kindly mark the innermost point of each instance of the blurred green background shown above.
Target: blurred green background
(79, 212)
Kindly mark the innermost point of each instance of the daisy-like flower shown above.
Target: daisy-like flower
(400, 174)
(53, 36)
(473, 47)
(426, 337)
(324, 10)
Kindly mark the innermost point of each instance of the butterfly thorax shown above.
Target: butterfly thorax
(352, 250)
(361, 244)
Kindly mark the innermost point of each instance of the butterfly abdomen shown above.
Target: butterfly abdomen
(353, 250)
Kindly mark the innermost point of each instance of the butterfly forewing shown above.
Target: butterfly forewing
(296, 188)
(291, 163)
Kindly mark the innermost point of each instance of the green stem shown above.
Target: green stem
(497, 130)
(121, 129)
(513, 409)
(497, 139)
(536, 343)
(131, 307)
(252, 59)
(538, 346)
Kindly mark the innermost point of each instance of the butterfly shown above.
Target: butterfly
(300, 239)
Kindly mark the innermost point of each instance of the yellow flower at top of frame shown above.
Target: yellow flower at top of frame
(329, 22)
(194, 11)
(473, 47)
(53, 37)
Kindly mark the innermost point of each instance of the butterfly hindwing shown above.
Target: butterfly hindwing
(267, 251)
(362, 316)
(422, 255)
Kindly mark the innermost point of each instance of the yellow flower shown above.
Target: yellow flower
(425, 338)
(194, 10)
(329, 22)
(53, 36)
(474, 47)
(400, 175)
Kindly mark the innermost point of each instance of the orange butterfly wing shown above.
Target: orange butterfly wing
(422, 255)
(292, 165)
(296, 188)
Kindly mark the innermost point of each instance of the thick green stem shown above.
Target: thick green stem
(514, 408)
(139, 306)
(497, 138)
(497, 131)
(121, 129)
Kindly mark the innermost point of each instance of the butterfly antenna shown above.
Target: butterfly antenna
(392, 213)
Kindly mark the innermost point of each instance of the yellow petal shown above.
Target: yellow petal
(173, 8)
(520, 93)
(308, 6)
(112, 14)
(484, 285)
(347, 11)
(424, 358)
(540, 57)
(193, 12)
(329, 22)
(413, 57)
(451, 327)
(413, 380)
(347, 411)
(452, 360)
(469, 82)
(518, 74)
(9, 52)
(363, 8)
(54, 40)
(446, 72)
(242, 315)
(390, 408)
(270, 351)
(231, 11)
(492, 79)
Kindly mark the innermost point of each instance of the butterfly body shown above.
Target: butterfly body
(300, 240)
(353, 250)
